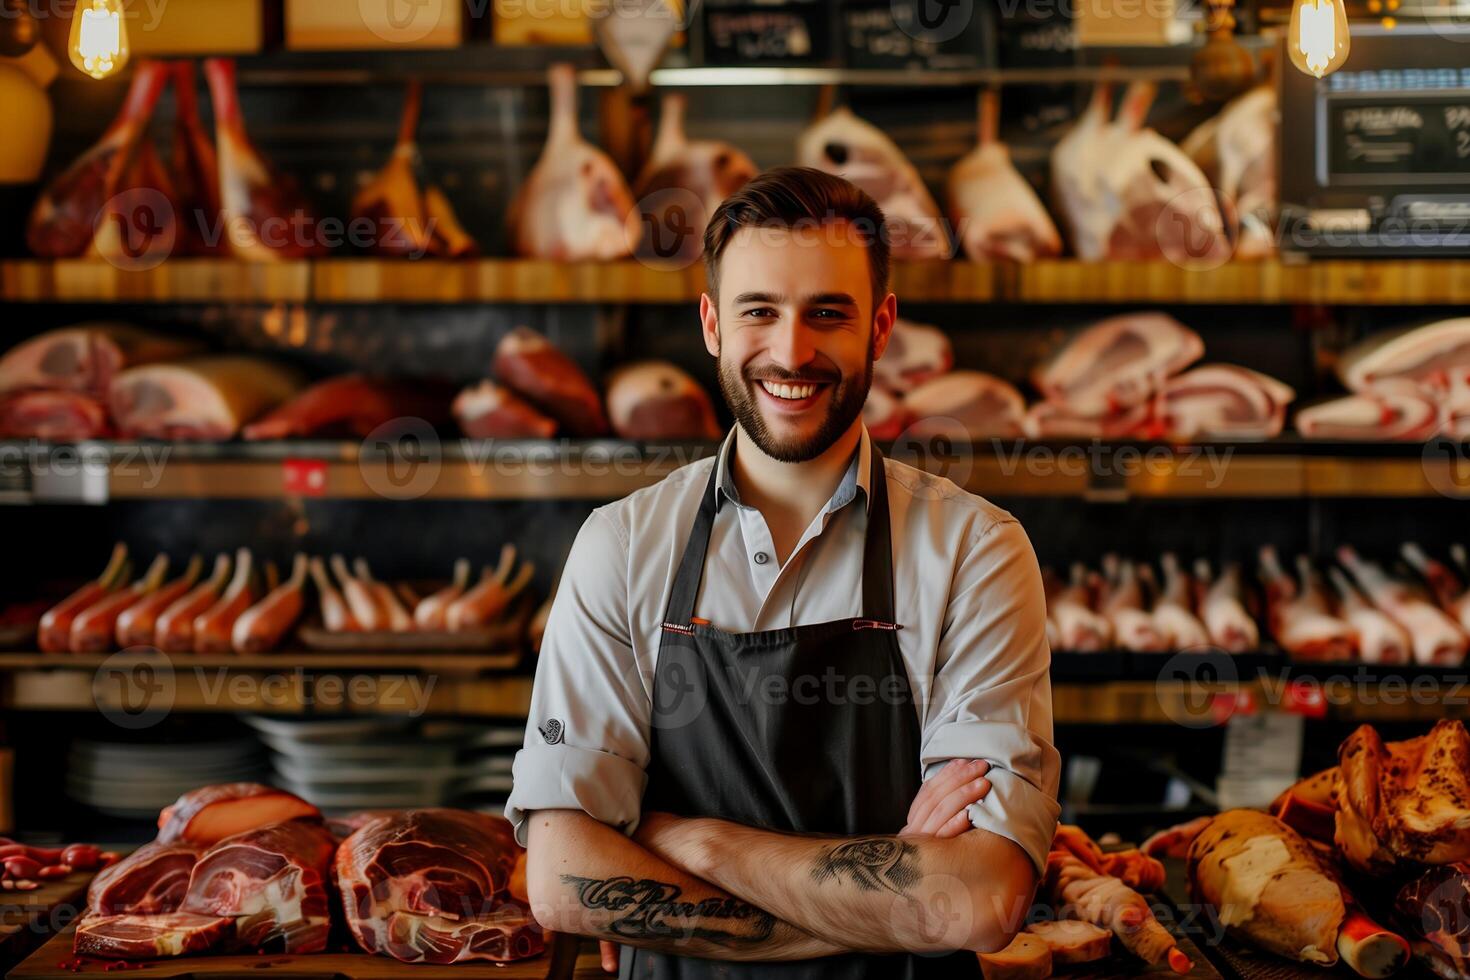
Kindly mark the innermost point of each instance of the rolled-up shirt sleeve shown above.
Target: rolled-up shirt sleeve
(991, 698)
(586, 745)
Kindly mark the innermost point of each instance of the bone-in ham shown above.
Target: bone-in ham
(174, 630)
(1237, 151)
(353, 406)
(205, 398)
(1436, 638)
(262, 626)
(93, 628)
(194, 168)
(574, 204)
(492, 411)
(85, 358)
(207, 815)
(537, 370)
(53, 634)
(658, 402)
(213, 627)
(137, 624)
(996, 212)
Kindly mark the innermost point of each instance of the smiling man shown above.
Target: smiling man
(792, 708)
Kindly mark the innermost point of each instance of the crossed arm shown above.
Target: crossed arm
(710, 888)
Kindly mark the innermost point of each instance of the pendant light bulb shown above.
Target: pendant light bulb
(1318, 41)
(99, 37)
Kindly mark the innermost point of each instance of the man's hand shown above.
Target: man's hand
(941, 807)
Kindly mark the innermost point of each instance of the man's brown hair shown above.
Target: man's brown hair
(804, 198)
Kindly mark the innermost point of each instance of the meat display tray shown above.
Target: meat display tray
(54, 961)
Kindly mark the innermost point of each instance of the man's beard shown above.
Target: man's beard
(844, 406)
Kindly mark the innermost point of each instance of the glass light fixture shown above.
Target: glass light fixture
(1318, 41)
(99, 37)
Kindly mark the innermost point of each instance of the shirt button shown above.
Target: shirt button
(761, 557)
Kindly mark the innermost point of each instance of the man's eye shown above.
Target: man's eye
(830, 314)
(760, 311)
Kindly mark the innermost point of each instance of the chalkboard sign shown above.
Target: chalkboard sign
(917, 34)
(791, 33)
(1422, 136)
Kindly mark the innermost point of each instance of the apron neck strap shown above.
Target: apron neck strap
(877, 551)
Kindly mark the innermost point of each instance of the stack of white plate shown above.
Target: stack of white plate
(350, 764)
(135, 781)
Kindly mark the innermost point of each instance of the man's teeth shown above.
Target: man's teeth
(792, 392)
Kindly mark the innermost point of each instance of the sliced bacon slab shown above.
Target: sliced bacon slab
(209, 814)
(433, 886)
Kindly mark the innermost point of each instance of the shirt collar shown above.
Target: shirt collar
(858, 476)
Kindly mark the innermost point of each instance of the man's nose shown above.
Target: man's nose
(792, 344)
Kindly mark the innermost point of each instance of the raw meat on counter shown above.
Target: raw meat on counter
(397, 200)
(53, 635)
(574, 204)
(978, 405)
(271, 883)
(433, 886)
(143, 937)
(1117, 363)
(209, 814)
(657, 402)
(194, 167)
(150, 880)
(538, 371)
(849, 147)
(264, 215)
(492, 411)
(995, 211)
(207, 398)
(708, 170)
(64, 221)
(352, 406)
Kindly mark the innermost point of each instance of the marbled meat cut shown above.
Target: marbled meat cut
(209, 814)
(272, 883)
(146, 937)
(432, 886)
(150, 880)
(53, 416)
(85, 357)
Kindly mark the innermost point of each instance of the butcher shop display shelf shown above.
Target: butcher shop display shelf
(504, 280)
(463, 469)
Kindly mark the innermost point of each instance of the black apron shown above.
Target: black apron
(809, 729)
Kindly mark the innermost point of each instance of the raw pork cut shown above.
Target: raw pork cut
(1079, 628)
(1447, 587)
(1173, 611)
(432, 886)
(1117, 363)
(1436, 357)
(1220, 401)
(1436, 638)
(884, 414)
(1076, 178)
(1222, 608)
(656, 401)
(916, 353)
(534, 368)
(64, 220)
(146, 937)
(1236, 150)
(53, 416)
(1380, 639)
(982, 405)
(1123, 605)
(272, 882)
(86, 357)
(150, 880)
(995, 211)
(1300, 619)
(207, 815)
(491, 411)
(351, 407)
(206, 398)
(574, 204)
(265, 217)
(708, 171)
(845, 145)
(1054, 420)
(1390, 410)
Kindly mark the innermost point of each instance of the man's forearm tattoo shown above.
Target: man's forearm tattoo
(647, 909)
(871, 863)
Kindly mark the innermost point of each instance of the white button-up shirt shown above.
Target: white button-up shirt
(967, 591)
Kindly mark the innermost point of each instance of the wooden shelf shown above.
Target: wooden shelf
(352, 281)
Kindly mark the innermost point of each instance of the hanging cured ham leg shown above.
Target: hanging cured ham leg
(93, 629)
(174, 631)
(1222, 608)
(137, 623)
(262, 625)
(195, 168)
(1299, 621)
(996, 213)
(64, 220)
(1436, 638)
(265, 216)
(212, 627)
(53, 635)
(574, 204)
(1380, 639)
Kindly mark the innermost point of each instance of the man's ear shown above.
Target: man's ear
(709, 319)
(883, 319)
